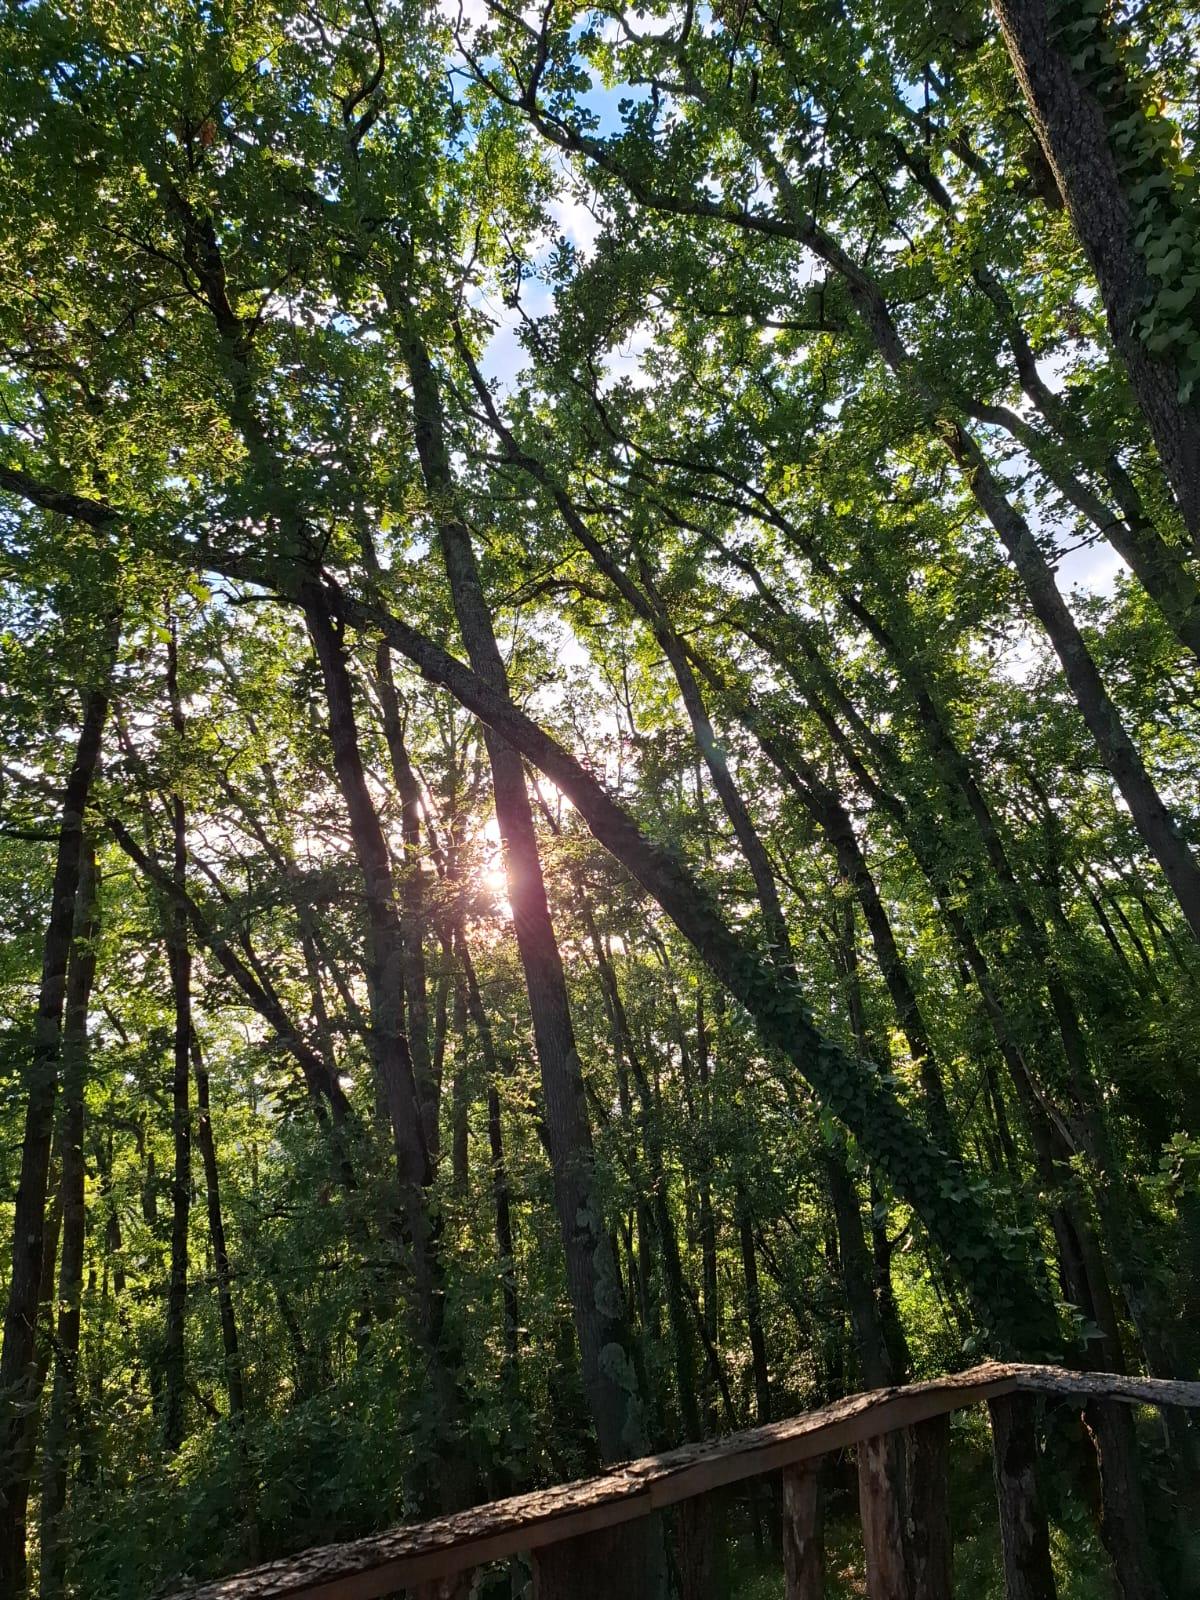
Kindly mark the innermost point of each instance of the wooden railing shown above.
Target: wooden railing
(572, 1533)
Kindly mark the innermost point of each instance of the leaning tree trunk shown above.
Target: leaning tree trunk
(1111, 167)
(958, 1217)
(18, 1365)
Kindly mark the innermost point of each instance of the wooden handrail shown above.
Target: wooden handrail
(365, 1569)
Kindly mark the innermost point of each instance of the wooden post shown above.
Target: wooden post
(804, 1530)
(1123, 1517)
(695, 1526)
(880, 1503)
(930, 1548)
(457, 1587)
(1024, 1534)
(627, 1562)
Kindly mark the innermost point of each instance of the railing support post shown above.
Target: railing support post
(1123, 1515)
(457, 1587)
(627, 1562)
(804, 1530)
(695, 1523)
(880, 1501)
(1024, 1534)
(930, 1549)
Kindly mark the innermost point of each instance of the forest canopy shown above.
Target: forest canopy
(599, 830)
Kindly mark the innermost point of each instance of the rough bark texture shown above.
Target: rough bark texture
(804, 1531)
(18, 1367)
(1123, 1517)
(612, 1562)
(1075, 135)
(60, 1420)
(881, 1512)
(1023, 1532)
(696, 1525)
(930, 1548)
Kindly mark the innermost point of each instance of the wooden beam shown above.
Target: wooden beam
(404, 1557)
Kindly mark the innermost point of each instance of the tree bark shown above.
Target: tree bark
(930, 1548)
(61, 1418)
(394, 1065)
(881, 1510)
(230, 1345)
(1076, 111)
(18, 1367)
(591, 1268)
(179, 961)
(501, 1199)
(804, 1531)
(1024, 1535)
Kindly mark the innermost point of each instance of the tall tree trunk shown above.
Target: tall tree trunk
(659, 1203)
(708, 1225)
(234, 1377)
(1102, 147)
(235, 1385)
(591, 1268)
(64, 1399)
(413, 912)
(407, 1099)
(179, 959)
(754, 1322)
(501, 1199)
(18, 1367)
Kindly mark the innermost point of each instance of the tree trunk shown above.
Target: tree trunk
(180, 962)
(394, 1065)
(591, 1268)
(234, 1378)
(880, 1504)
(61, 1419)
(414, 915)
(1101, 146)
(18, 1367)
(754, 1325)
(501, 1200)
(930, 1547)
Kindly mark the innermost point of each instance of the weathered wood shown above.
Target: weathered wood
(695, 1526)
(610, 1565)
(881, 1511)
(456, 1587)
(379, 1565)
(804, 1530)
(930, 1549)
(1123, 1518)
(1024, 1536)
